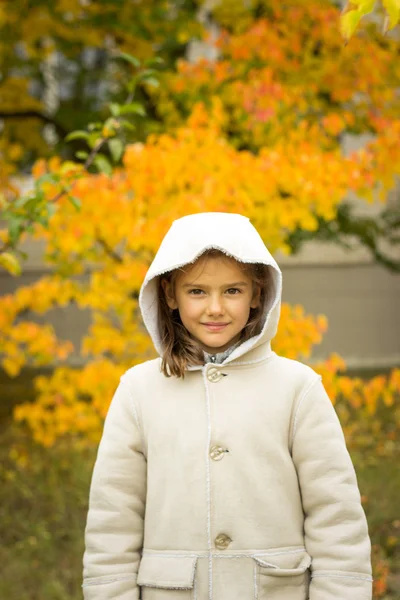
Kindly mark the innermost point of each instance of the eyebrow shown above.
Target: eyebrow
(199, 285)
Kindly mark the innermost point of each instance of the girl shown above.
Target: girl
(222, 473)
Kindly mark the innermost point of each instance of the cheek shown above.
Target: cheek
(190, 308)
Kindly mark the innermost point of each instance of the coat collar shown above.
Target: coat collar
(257, 354)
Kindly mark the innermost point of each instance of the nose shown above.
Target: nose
(215, 306)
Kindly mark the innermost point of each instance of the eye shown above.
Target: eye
(195, 290)
(235, 290)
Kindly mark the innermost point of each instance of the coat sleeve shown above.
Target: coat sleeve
(335, 526)
(114, 528)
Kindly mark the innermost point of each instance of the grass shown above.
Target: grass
(43, 513)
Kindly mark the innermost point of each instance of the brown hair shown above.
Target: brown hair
(181, 349)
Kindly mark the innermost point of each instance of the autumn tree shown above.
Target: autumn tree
(257, 129)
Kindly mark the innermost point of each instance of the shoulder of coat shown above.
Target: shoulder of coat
(289, 367)
(148, 368)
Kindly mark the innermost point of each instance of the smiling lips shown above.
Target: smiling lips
(215, 326)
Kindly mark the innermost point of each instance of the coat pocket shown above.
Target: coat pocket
(283, 577)
(167, 577)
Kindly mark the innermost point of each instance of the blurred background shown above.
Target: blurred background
(118, 117)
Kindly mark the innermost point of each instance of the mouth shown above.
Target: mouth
(215, 326)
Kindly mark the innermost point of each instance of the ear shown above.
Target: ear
(255, 301)
(169, 297)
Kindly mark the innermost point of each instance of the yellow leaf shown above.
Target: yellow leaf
(10, 263)
(392, 8)
(349, 22)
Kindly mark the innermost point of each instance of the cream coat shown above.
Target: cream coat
(232, 484)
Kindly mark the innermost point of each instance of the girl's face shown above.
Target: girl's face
(214, 297)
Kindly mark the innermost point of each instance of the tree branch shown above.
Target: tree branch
(34, 114)
(369, 232)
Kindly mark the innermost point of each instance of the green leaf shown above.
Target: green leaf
(81, 154)
(77, 135)
(51, 208)
(14, 230)
(32, 204)
(130, 86)
(94, 126)
(114, 109)
(48, 178)
(39, 194)
(93, 139)
(116, 148)
(128, 58)
(134, 108)
(152, 81)
(157, 60)
(76, 202)
(43, 220)
(103, 164)
(127, 125)
(20, 202)
(147, 73)
(112, 124)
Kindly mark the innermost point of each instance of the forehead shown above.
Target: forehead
(213, 267)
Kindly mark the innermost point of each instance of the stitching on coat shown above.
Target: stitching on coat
(208, 406)
(135, 413)
(278, 553)
(194, 588)
(256, 554)
(164, 587)
(173, 555)
(318, 378)
(95, 580)
(249, 555)
(358, 577)
(168, 584)
(255, 582)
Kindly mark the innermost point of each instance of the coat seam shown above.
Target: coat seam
(165, 586)
(302, 398)
(96, 581)
(208, 485)
(342, 575)
(248, 555)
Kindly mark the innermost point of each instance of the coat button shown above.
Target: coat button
(222, 541)
(214, 374)
(217, 452)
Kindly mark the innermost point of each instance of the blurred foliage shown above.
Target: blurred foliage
(21, 214)
(289, 89)
(43, 499)
(260, 130)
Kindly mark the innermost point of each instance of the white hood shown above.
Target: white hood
(188, 238)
